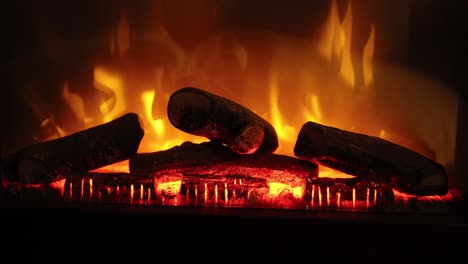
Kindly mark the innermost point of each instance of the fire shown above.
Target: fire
(276, 188)
(111, 84)
(169, 188)
(347, 70)
(156, 124)
(285, 132)
(305, 80)
(325, 172)
(452, 195)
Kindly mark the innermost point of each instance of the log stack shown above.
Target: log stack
(240, 142)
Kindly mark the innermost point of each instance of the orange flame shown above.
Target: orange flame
(301, 83)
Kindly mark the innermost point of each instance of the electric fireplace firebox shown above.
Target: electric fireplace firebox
(175, 129)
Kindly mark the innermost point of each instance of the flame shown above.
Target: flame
(111, 84)
(284, 131)
(382, 133)
(156, 124)
(326, 172)
(347, 70)
(58, 131)
(298, 82)
(329, 46)
(276, 188)
(313, 113)
(59, 185)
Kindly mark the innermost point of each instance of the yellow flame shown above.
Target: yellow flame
(325, 172)
(328, 45)
(284, 131)
(275, 188)
(313, 112)
(335, 42)
(156, 124)
(347, 70)
(382, 133)
(112, 84)
(59, 132)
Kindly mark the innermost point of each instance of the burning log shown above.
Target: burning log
(86, 150)
(204, 114)
(367, 156)
(213, 159)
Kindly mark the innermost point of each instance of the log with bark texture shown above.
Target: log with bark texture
(85, 150)
(368, 156)
(201, 113)
(214, 159)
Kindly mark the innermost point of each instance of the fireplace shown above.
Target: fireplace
(385, 72)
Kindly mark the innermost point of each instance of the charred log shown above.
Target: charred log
(86, 150)
(204, 114)
(212, 159)
(366, 156)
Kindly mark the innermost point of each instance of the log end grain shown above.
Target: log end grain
(249, 141)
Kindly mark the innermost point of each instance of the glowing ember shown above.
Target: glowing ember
(452, 195)
(338, 200)
(354, 198)
(90, 187)
(321, 194)
(276, 188)
(205, 192)
(168, 189)
(141, 192)
(367, 197)
(59, 185)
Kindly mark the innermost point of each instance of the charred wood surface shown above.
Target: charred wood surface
(205, 114)
(85, 150)
(214, 159)
(367, 156)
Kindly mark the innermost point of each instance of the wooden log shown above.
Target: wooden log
(214, 159)
(205, 114)
(85, 150)
(368, 156)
